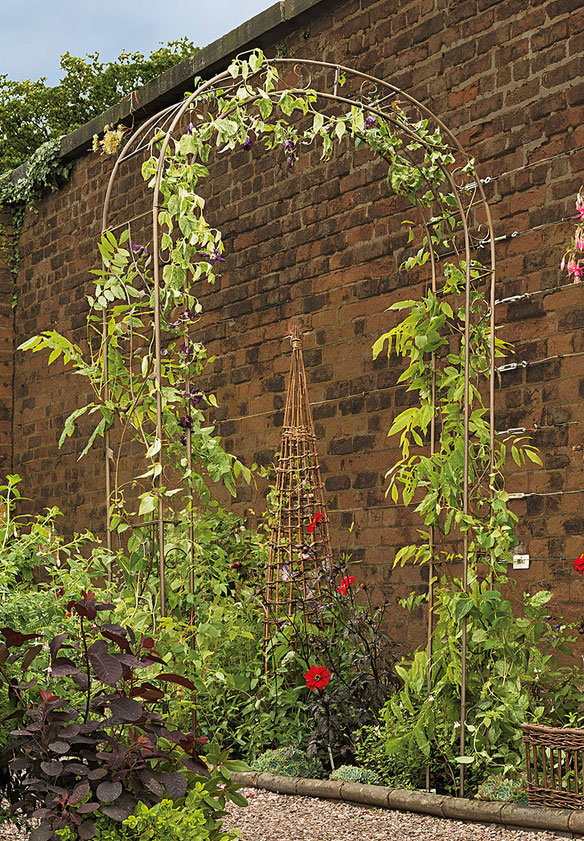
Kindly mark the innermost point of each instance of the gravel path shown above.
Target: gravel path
(278, 817)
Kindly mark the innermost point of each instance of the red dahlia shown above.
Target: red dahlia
(317, 677)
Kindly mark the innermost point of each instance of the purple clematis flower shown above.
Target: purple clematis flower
(138, 250)
(190, 128)
(248, 143)
(215, 257)
(370, 120)
(194, 398)
(186, 422)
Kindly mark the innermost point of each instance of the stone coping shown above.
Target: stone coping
(567, 822)
(261, 30)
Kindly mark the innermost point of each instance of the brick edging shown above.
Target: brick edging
(569, 822)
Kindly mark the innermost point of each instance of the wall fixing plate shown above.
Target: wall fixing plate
(520, 561)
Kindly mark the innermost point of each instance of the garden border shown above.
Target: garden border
(568, 822)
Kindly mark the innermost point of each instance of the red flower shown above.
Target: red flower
(318, 517)
(579, 564)
(317, 677)
(345, 584)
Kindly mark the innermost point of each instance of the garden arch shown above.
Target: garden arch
(334, 86)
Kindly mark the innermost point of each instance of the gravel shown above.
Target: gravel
(279, 817)
(10, 832)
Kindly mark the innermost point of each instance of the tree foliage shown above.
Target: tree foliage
(32, 112)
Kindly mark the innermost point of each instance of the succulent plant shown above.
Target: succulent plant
(353, 774)
(499, 787)
(290, 762)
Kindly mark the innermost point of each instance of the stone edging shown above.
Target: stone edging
(569, 822)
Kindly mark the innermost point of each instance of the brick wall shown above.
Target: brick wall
(6, 343)
(322, 241)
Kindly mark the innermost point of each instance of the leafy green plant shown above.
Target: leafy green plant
(194, 820)
(32, 112)
(111, 751)
(404, 770)
(511, 648)
(354, 774)
(290, 762)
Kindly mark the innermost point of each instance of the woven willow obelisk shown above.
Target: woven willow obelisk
(299, 548)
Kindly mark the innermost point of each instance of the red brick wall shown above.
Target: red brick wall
(322, 241)
(6, 343)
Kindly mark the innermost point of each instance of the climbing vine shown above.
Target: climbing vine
(251, 108)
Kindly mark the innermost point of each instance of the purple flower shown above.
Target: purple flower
(186, 422)
(370, 120)
(194, 398)
(138, 249)
(183, 439)
(187, 315)
(247, 143)
(215, 257)
(289, 145)
(186, 350)
(190, 128)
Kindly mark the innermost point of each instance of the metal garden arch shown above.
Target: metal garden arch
(334, 84)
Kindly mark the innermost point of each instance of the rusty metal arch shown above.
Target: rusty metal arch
(344, 86)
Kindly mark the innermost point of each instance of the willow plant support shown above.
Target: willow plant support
(334, 85)
(299, 547)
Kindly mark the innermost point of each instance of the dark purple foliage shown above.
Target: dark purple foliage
(70, 762)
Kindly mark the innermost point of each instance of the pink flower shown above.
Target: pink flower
(345, 584)
(575, 270)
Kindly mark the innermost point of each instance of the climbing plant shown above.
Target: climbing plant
(133, 378)
(511, 669)
(251, 108)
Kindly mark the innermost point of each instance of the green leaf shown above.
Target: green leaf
(462, 608)
(148, 503)
(265, 107)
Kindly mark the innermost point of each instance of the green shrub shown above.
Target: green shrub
(353, 774)
(500, 787)
(290, 762)
(405, 770)
(195, 820)
(172, 823)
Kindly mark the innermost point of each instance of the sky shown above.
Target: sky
(34, 33)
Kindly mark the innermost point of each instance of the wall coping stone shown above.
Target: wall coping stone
(168, 88)
(565, 821)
